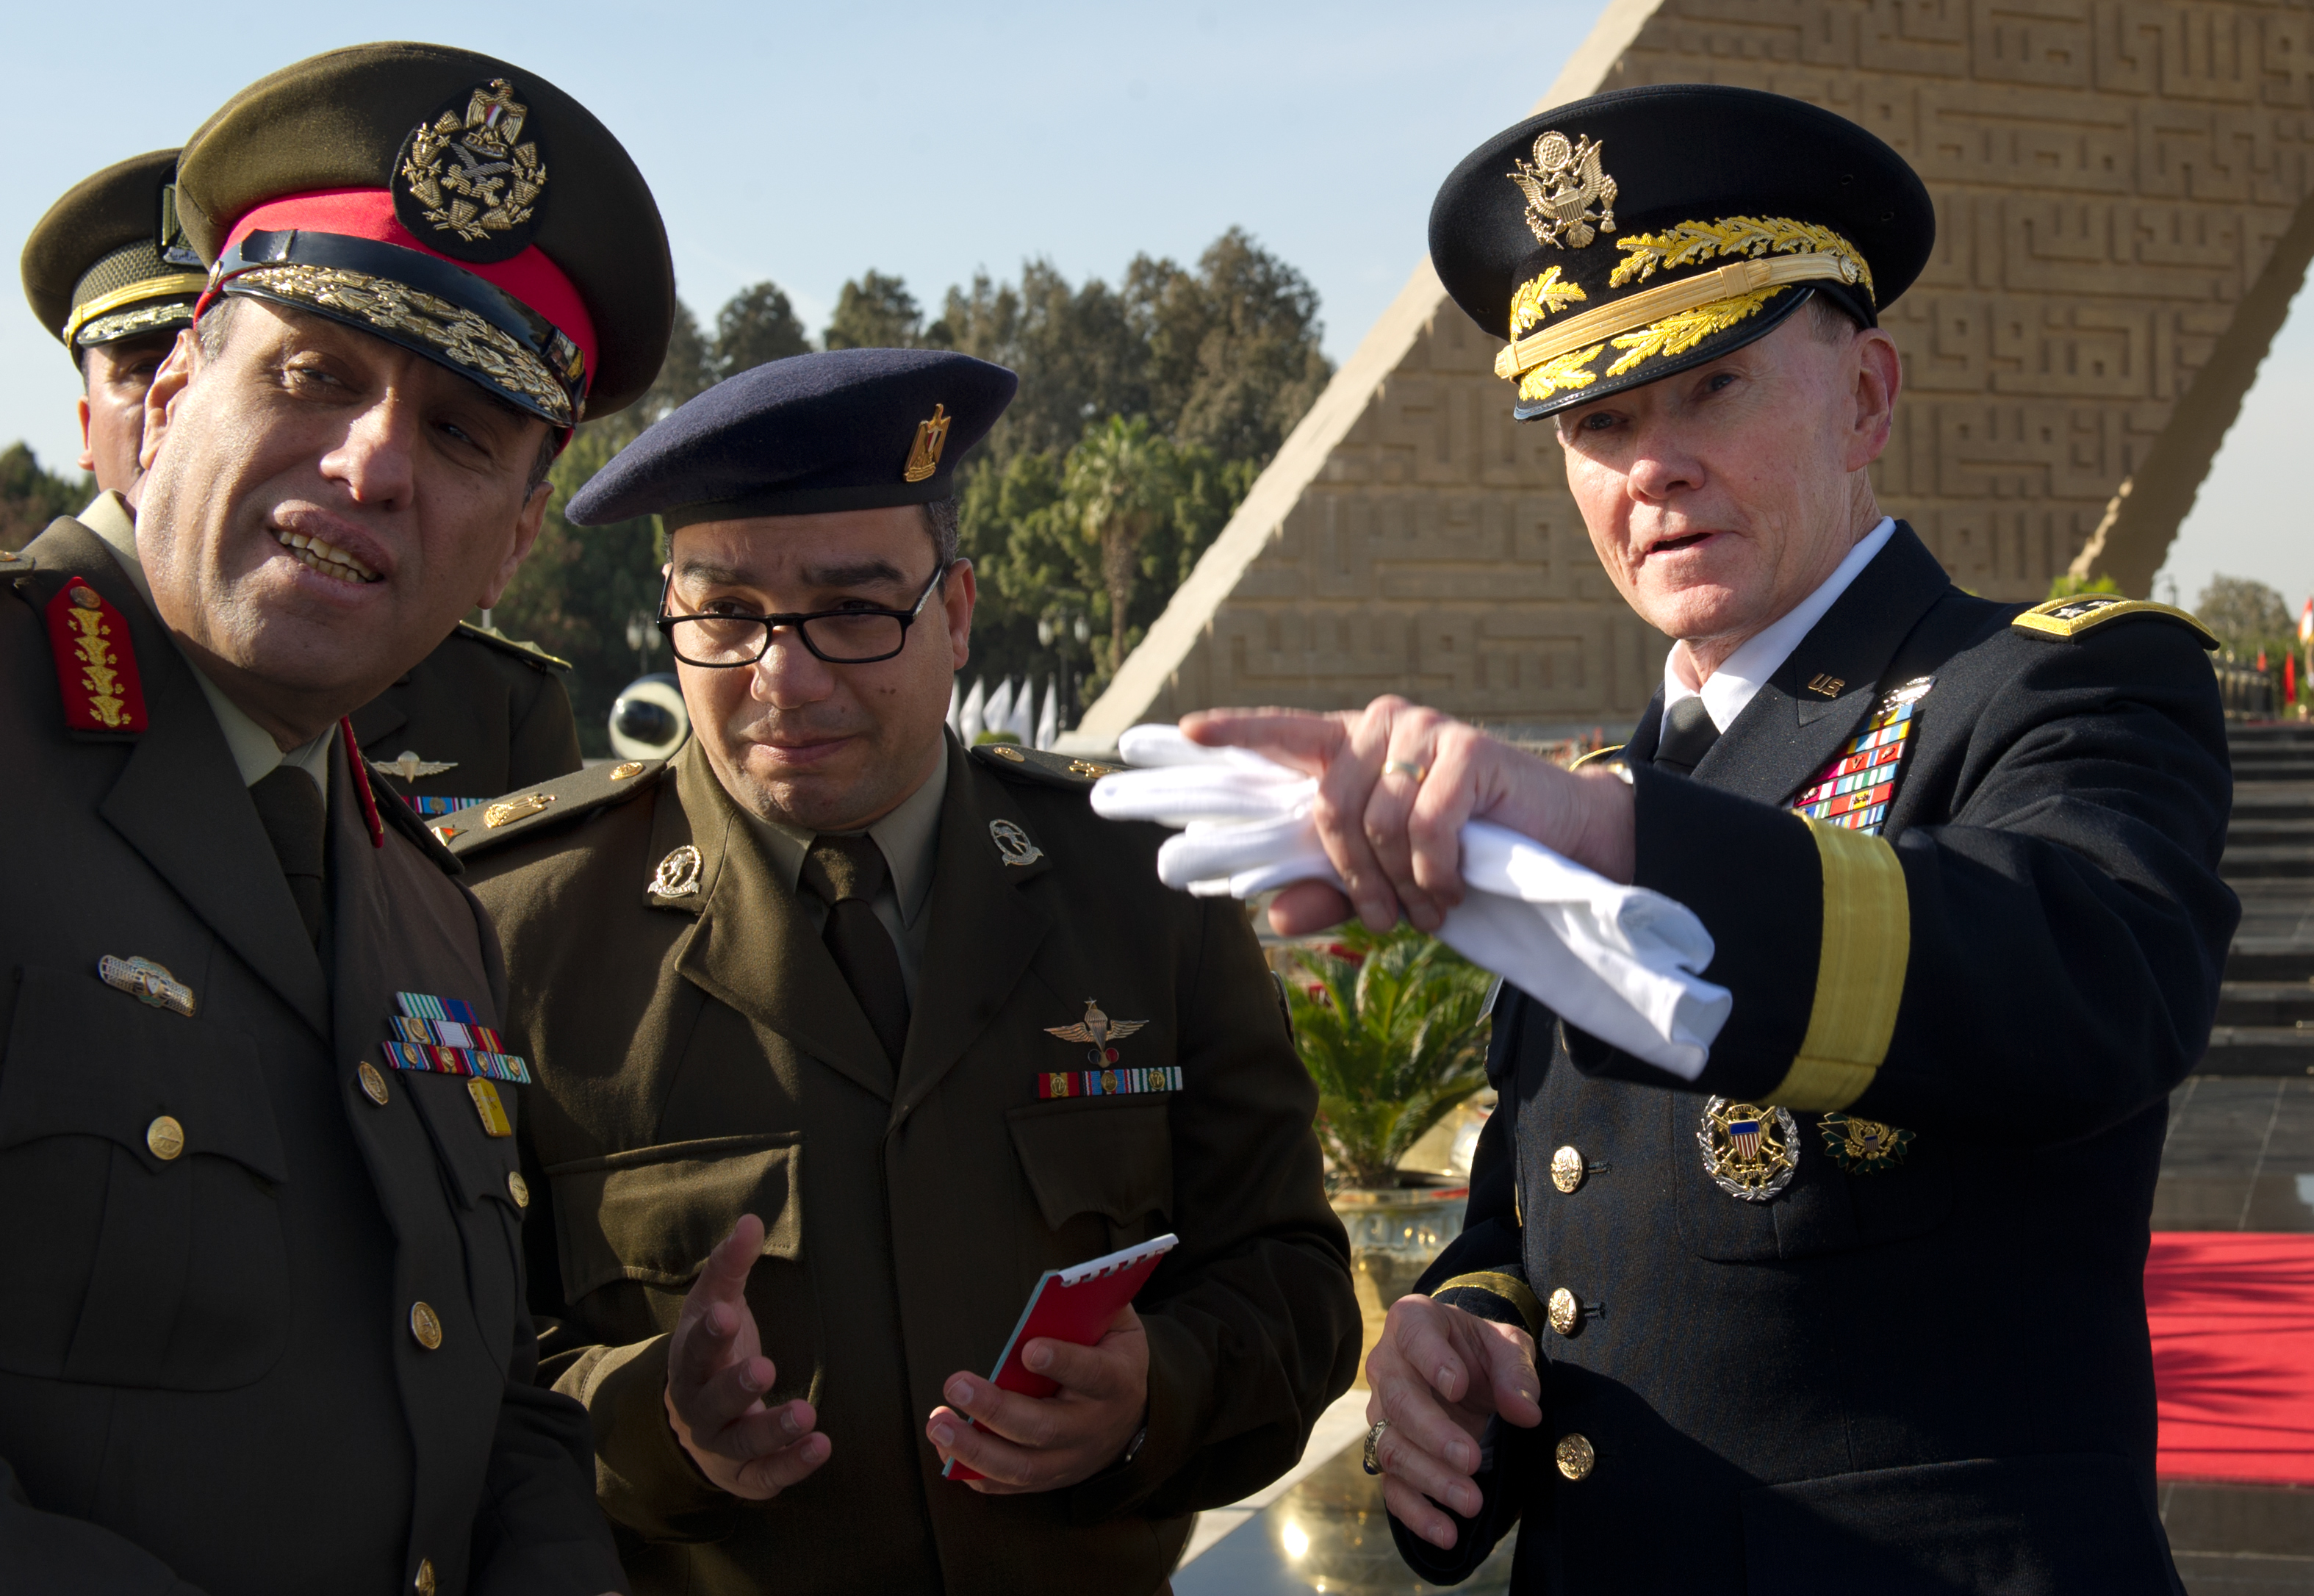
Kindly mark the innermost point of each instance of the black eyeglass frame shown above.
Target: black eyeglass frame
(797, 622)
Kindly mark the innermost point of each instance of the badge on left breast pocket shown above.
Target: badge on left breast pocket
(1750, 1152)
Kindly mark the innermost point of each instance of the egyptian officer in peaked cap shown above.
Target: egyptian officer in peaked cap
(810, 1006)
(259, 1194)
(1859, 1306)
(109, 272)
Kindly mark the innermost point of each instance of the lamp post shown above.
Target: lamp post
(1056, 632)
(642, 636)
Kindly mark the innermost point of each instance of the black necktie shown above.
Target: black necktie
(289, 808)
(846, 873)
(1687, 735)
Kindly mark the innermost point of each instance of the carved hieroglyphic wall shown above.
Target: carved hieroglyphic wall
(2118, 186)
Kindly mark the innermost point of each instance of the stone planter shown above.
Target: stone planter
(1394, 1234)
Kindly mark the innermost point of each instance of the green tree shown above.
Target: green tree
(30, 496)
(1393, 1031)
(2245, 614)
(1118, 487)
(1233, 347)
(1079, 353)
(757, 326)
(874, 312)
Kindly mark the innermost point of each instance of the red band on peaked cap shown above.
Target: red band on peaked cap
(368, 213)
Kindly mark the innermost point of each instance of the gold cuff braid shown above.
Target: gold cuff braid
(1509, 1288)
(1859, 981)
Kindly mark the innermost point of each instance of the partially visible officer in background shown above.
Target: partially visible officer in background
(259, 1194)
(815, 998)
(1860, 1308)
(110, 274)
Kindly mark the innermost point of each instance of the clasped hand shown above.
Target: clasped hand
(717, 1375)
(1438, 1375)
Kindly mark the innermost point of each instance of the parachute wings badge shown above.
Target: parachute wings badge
(1099, 1029)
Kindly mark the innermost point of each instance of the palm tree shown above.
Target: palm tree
(1393, 1030)
(1118, 487)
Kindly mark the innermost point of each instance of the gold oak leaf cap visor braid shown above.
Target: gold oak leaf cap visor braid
(1617, 240)
(454, 204)
(107, 263)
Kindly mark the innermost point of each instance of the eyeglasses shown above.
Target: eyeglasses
(838, 637)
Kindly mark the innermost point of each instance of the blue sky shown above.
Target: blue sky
(808, 144)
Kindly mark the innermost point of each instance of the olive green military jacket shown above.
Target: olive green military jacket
(482, 715)
(211, 1374)
(699, 1057)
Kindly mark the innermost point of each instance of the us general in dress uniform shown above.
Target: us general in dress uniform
(938, 1041)
(259, 1192)
(1859, 1307)
(109, 272)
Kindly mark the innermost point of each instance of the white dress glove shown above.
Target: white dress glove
(1619, 962)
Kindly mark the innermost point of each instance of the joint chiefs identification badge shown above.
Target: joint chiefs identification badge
(1862, 1146)
(1749, 1153)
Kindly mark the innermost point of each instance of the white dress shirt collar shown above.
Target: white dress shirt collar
(1728, 689)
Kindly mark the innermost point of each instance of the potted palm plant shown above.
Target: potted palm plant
(1393, 1030)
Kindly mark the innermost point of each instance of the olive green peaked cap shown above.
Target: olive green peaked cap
(94, 268)
(487, 168)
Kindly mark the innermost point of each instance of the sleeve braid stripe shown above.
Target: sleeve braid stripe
(1859, 980)
(1507, 1289)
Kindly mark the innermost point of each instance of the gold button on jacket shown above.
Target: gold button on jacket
(1575, 1456)
(699, 1057)
(254, 1283)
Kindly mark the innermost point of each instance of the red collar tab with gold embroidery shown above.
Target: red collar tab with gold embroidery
(96, 667)
(361, 783)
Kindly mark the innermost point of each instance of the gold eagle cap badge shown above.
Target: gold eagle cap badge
(1563, 184)
(932, 437)
(469, 173)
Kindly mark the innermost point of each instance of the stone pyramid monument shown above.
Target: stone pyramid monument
(2121, 191)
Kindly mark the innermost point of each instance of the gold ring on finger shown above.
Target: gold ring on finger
(1374, 1436)
(1402, 768)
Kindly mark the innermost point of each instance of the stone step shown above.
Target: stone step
(2270, 830)
(2269, 958)
(2272, 1003)
(2266, 860)
(2258, 1050)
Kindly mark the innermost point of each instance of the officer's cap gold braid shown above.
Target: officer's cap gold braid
(454, 204)
(107, 263)
(1619, 238)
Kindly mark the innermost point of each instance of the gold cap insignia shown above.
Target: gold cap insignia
(470, 182)
(932, 437)
(1562, 184)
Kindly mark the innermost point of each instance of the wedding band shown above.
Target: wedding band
(1400, 767)
(1373, 1436)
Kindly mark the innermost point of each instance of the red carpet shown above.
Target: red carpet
(2232, 1316)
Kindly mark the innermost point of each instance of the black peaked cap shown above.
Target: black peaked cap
(844, 430)
(1660, 185)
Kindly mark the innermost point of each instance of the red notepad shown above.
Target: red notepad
(1074, 1305)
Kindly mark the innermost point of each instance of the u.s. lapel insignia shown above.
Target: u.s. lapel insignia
(1854, 789)
(96, 667)
(407, 766)
(677, 876)
(1863, 1146)
(1012, 844)
(148, 982)
(924, 454)
(1749, 1153)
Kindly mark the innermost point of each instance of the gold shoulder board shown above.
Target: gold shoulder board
(529, 653)
(2071, 617)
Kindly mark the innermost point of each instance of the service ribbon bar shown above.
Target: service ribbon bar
(1853, 791)
(1107, 1083)
(458, 1060)
(428, 807)
(444, 1033)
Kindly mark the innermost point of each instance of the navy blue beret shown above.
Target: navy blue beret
(849, 429)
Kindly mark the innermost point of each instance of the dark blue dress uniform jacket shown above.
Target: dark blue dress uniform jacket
(1933, 1377)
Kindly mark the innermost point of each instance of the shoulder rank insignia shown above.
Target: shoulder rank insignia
(96, 667)
(444, 1036)
(1749, 1153)
(2071, 617)
(529, 653)
(1853, 790)
(481, 824)
(1036, 765)
(1862, 1146)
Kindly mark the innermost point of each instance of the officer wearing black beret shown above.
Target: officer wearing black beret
(109, 272)
(810, 1006)
(1857, 1307)
(266, 1326)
